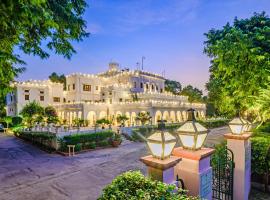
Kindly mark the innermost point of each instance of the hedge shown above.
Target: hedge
(133, 185)
(214, 123)
(44, 140)
(86, 141)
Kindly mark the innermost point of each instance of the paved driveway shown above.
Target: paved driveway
(27, 173)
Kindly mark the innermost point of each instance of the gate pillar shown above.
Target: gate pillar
(241, 148)
(195, 171)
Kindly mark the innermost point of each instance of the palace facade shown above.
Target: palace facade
(105, 95)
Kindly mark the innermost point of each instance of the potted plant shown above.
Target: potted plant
(116, 140)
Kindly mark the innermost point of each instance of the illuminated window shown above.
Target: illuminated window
(86, 87)
(56, 99)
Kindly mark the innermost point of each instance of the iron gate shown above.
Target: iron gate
(223, 169)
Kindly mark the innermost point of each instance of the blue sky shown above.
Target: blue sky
(169, 33)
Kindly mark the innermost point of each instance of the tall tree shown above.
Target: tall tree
(193, 93)
(54, 77)
(239, 62)
(33, 27)
(173, 86)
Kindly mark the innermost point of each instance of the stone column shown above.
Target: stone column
(241, 148)
(195, 171)
(161, 170)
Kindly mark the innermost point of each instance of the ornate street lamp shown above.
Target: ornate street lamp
(161, 143)
(192, 134)
(238, 125)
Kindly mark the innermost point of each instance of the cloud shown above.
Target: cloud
(134, 15)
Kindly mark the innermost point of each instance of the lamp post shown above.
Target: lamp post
(194, 169)
(238, 141)
(160, 163)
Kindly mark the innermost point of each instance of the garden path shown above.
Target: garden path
(27, 173)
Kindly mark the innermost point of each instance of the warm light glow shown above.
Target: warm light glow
(187, 140)
(238, 126)
(161, 144)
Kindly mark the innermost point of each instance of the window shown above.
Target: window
(73, 86)
(86, 87)
(103, 100)
(135, 84)
(152, 87)
(157, 88)
(26, 97)
(11, 98)
(110, 93)
(64, 100)
(26, 91)
(56, 99)
(103, 94)
(161, 90)
(68, 87)
(120, 99)
(96, 87)
(41, 92)
(141, 85)
(41, 98)
(147, 87)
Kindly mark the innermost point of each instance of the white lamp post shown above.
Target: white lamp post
(192, 134)
(161, 164)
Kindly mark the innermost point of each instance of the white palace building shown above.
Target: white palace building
(105, 95)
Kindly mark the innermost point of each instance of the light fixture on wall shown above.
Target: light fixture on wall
(192, 134)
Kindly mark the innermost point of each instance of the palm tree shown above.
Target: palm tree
(122, 119)
(143, 117)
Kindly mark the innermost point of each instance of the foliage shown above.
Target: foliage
(219, 156)
(103, 121)
(239, 63)
(193, 93)
(86, 140)
(42, 139)
(51, 115)
(17, 120)
(78, 122)
(7, 120)
(54, 77)
(32, 112)
(143, 117)
(35, 27)
(134, 186)
(122, 119)
(214, 123)
(173, 86)
(262, 103)
(260, 153)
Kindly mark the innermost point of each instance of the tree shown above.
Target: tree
(122, 119)
(239, 62)
(103, 122)
(33, 27)
(32, 112)
(7, 120)
(51, 115)
(143, 117)
(173, 86)
(54, 77)
(193, 93)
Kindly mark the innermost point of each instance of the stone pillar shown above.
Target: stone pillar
(161, 170)
(241, 148)
(195, 171)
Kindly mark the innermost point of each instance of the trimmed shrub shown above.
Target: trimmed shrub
(78, 147)
(17, 120)
(214, 123)
(103, 143)
(133, 185)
